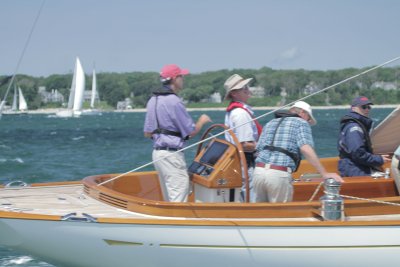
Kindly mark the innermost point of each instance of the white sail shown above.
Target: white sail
(385, 137)
(94, 89)
(72, 90)
(79, 86)
(76, 94)
(23, 106)
(14, 106)
(93, 98)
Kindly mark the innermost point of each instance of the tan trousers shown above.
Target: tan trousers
(172, 172)
(272, 185)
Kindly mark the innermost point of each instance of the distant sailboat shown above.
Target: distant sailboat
(19, 104)
(94, 96)
(76, 94)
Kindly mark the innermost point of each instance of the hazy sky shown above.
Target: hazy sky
(202, 35)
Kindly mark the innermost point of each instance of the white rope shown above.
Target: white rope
(21, 57)
(261, 116)
(316, 191)
(369, 200)
(363, 199)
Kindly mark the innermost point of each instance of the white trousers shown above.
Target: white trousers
(173, 175)
(272, 185)
(252, 198)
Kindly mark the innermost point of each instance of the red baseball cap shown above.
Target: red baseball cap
(172, 70)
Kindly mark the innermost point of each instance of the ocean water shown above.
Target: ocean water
(41, 148)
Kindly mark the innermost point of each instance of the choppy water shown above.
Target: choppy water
(40, 148)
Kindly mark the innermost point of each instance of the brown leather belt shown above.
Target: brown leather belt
(271, 166)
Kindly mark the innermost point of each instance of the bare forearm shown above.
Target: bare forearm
(199, 124)
(312, 158)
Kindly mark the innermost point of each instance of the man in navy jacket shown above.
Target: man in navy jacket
(354, 144)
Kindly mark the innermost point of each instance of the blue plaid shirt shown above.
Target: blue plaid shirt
(292, 134)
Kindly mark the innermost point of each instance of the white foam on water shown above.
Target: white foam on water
(78, 138)
(5, 147)
(12, 261)
(19, 160)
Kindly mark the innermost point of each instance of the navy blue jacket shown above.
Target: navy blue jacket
(354, 145)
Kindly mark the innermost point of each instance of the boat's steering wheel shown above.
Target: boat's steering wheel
(239, 150)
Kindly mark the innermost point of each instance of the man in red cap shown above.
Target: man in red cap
(169, 125)
(355, 150)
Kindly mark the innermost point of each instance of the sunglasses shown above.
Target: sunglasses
(366, 107)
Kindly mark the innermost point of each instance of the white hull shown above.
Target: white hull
(11, 112)
(142, 245)
(68, 113)
(91, 112)
(127, 223)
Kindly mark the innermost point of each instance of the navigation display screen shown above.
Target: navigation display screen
(213, 153)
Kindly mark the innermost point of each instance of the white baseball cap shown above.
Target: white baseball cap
(306, 107)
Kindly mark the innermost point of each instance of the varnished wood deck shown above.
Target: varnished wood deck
(138, 196)
(48, 201)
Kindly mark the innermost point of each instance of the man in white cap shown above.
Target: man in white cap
(239, 118)
(282, 141)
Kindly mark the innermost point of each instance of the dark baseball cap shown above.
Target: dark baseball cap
(360, 101)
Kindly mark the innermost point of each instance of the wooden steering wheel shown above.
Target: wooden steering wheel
(239, 148)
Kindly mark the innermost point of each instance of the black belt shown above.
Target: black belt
(166, 148)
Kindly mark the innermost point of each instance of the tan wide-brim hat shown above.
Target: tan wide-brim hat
(306, 107)
(235, 82)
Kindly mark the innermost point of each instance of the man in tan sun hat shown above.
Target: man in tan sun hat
(282, 141)
(239, 113)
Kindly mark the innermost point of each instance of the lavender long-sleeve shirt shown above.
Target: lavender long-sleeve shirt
(171, 114)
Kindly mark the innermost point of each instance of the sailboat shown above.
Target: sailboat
(19, 104)
(94, 96)
(127, 222)
(76, 94)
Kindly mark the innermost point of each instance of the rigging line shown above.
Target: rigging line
(261, 116)
(21, 57)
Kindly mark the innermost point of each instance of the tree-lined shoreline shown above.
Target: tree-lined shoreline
(381, 86)
(55, 110)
